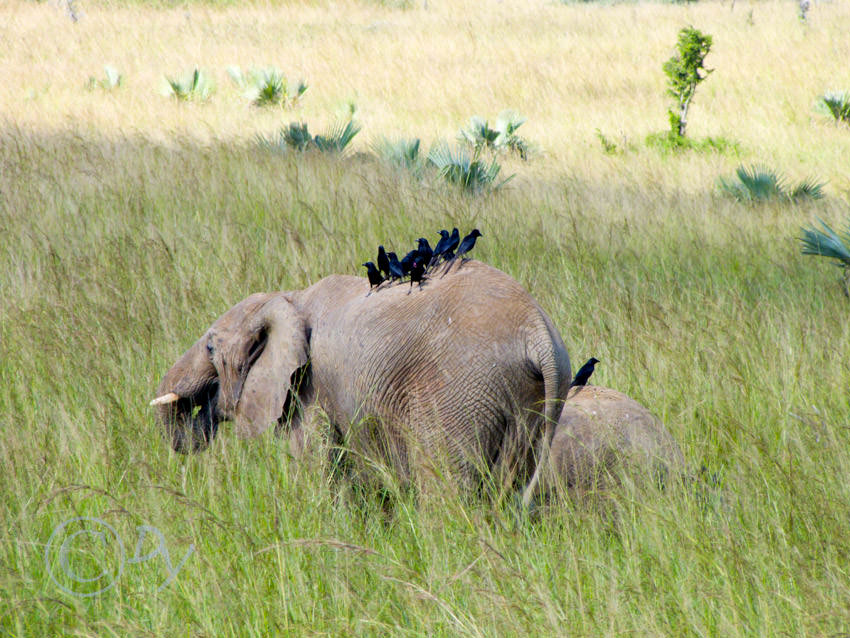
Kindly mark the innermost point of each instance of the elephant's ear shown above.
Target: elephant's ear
(268, 381)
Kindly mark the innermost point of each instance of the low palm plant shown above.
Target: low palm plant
(836, 104)
(507, 124)
(194, 86)
(297, 137)
(471, 173)
(825, 242)
(401, 153)
(807, 189)
(754, 184)
(761, 184)
(267, 86)
(112, 79)
(337, 138)
(479, 136)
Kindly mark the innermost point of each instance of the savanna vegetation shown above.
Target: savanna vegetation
(130, 220)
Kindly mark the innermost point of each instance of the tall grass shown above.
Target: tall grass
(127, 231)
(732, 338)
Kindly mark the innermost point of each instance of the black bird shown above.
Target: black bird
(584, 372)
(425, 251)
(407, 261)
(375, 276)
(454, 240)
(466, 245)
(417, 272)
(396, 271)
(448, 250)
(439, 248)
(383, 262)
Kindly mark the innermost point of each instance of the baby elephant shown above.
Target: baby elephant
(603, 435)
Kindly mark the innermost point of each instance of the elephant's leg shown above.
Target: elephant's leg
(302, 421)
(513, 458)
(306, 437)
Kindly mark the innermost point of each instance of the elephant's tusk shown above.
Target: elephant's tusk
(165, 398)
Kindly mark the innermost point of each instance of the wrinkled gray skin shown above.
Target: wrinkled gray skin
(603, 434)
(469, 365)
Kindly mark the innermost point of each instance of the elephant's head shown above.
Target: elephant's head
(242, 370)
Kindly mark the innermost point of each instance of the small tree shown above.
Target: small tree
(684, 71)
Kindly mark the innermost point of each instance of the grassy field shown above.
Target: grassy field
(130, 221)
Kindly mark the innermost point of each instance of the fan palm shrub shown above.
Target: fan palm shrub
(507, 124)
(336, 139)
(836, 104)
(112, 79)
(267, 86)
(825, 242)
(297, 137)
(193, 86)
(761, 184)
(479, 136)
(401, 153)
(471, 173)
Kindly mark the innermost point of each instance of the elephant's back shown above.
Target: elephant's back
(445, 350)
(474, 313)
(481, 298)
(602, 430)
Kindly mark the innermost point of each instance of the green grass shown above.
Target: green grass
(121, 254)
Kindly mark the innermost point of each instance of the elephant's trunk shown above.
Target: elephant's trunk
(187, 399)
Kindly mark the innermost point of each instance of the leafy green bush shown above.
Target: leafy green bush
(479, 136)
(825, 242)
(837, 105)
(195, 86)
(267, 86)
(297, 137)
(684, 72)
(471, 173)
(760, 184)
(112, 79)
(671, 142)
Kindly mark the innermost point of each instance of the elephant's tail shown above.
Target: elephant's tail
(553, 363)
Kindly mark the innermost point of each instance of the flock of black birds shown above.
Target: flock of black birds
(422, 260)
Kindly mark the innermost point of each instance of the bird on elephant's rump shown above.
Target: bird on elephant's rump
(470, 365)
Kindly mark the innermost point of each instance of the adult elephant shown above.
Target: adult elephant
(468, 365)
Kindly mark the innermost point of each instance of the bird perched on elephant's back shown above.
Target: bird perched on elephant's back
(469, 365)
(604, 435)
